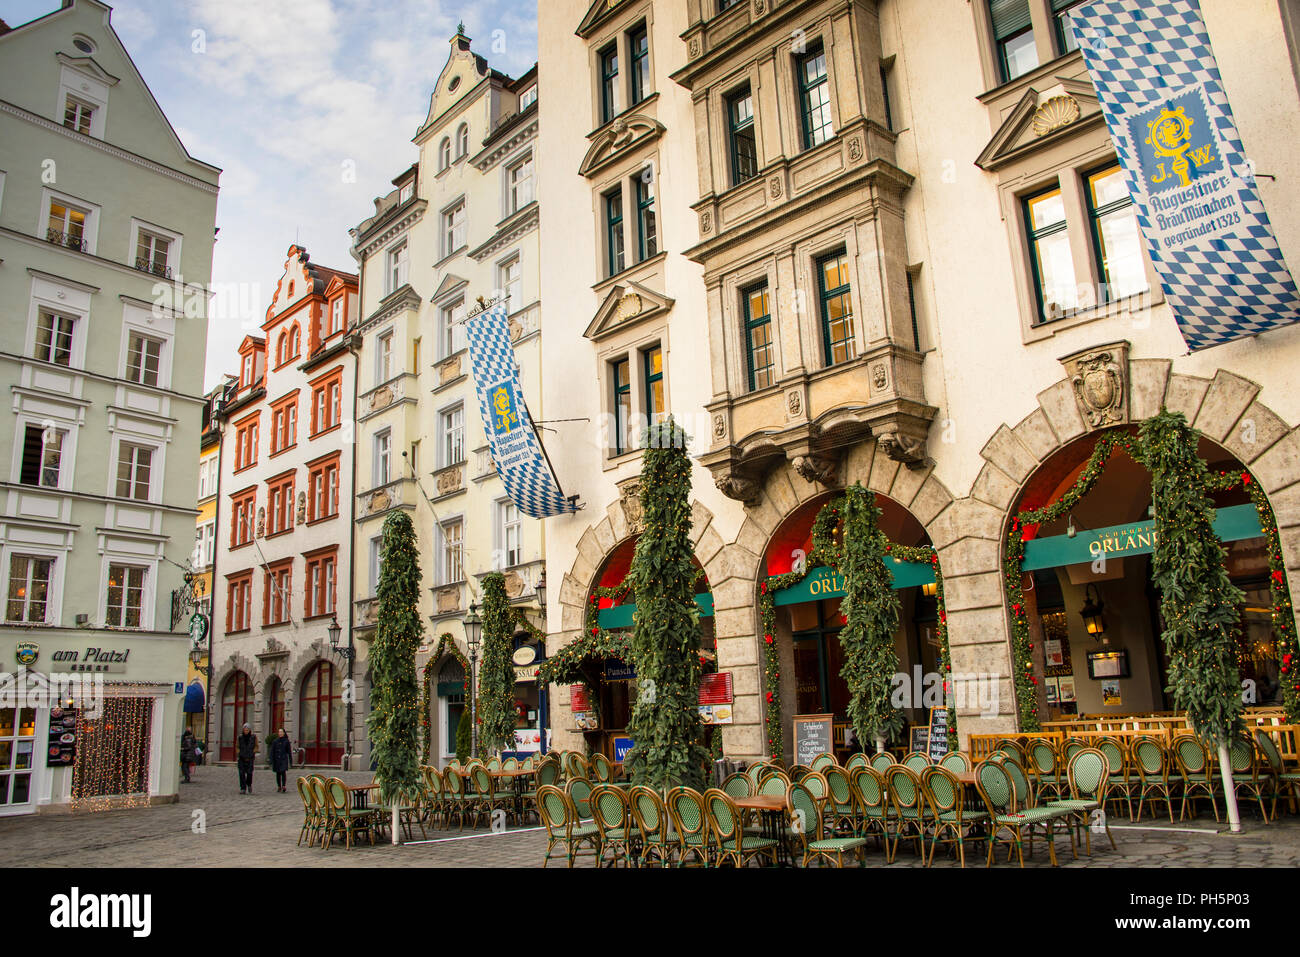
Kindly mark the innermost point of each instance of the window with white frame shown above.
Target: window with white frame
(376, 563)
(383, 457)
(143, 358)
(444, 154)
(398, 266)
(29, 589)
(521, 184)
(462, 141)
(509, 277)
(453, 229)
(451, 332)
(208, 476)
(205, 543)
(42, 459)
(453, 552)
(134, 465)
(383, 357)
(78, 114)
(527, 98)
(151, 252)
(509, 533)
(124, 607)
(54, 337)
(68, 225)
(452, 427)
(336, 316)
(407, 192)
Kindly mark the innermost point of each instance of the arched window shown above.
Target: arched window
(444, 153)
(321, 728)
(290, 288)
(295, 342)
(462, 140)
(274, 706)
(236, 709)
(279, 350)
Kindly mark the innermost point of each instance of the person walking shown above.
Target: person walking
(281, 759)
(188, 744)
(247, 747)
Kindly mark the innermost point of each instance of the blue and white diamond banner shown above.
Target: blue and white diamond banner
(518, 454)
(1192, 186)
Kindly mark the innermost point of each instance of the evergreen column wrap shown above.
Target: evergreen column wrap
(665, 722)
(394, 719)
(496, 703)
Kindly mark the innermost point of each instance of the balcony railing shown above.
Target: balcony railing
(157, 269)
(70, 240)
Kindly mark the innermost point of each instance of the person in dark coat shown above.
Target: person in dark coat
(246, 747)
(281, 759)
(188, 757)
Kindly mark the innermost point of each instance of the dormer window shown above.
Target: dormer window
(407, 192)
(336, 316)
(295, 342)
(246, 375)
(77, 115)
(527, 98)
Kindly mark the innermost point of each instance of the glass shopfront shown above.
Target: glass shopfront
(18, 759)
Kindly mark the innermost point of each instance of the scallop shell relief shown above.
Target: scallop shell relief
(1055, 113)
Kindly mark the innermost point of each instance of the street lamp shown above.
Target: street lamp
(335, 632)
(473, 632)
(197, 654)
(540, 589)
(1093, 619)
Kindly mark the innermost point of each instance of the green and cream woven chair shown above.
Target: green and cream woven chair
(815, 782)
(755, 773)
(310, 825)
(610, 814)
(1123, 780)
(686, 811)
(882, 761)
(856, 761)
(1088, 775)
(1195, 772)
(560, 818)
(943, 792)
(1043, 764)
(1284, 781)
(776, 782)
(491, 797)
(840, 809)
(493, 763)
(729, 837)
(739, 785)
(807, 825)
(459, 801)
(575, 765)
(1151, 761)
(1012, 747)
(344, 817)
(873, 803)
(324, 814)
(797, 772)
(911, 813)
(602, 769)
(1245, 771)
(651, 819)
(579, 791)
(916, 762)
(1005, 815)
(823, 760)
(957, 762)
(1070, 747)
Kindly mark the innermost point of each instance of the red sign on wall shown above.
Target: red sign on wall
(578, 700)
(716, 688)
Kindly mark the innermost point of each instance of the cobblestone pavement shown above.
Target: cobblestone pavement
(261, 830)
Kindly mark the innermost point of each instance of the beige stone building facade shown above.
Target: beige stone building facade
(900, 230)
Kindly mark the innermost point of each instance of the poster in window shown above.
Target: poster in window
(1053, 653)
(1110, 696)
(1065, 690)
(1053, 691)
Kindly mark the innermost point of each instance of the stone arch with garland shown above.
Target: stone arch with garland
(1224, 409)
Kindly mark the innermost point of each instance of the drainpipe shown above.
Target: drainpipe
(212, 625)
(354, 348)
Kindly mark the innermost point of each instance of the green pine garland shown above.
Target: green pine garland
(1198, 602)
(394, 719)
(665, 721)
(496, 711)
(926, 554)
(870, 610)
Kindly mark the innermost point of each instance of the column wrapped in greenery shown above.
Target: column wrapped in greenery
(665, 722)
(394, 719)
(870, 609)
(496, 678)
(1198, 602)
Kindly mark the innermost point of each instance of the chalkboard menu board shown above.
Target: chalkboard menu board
(938, 733)
(919, 739)
(62, 747)
(812, 736)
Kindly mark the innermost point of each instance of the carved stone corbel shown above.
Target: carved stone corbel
(739, 487)
(904, 448)
(817, 468)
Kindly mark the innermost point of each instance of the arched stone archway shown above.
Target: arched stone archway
(1225, 409)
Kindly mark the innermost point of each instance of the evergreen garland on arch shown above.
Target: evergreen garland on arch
(496, 679)
(394, 719)
(448, 644)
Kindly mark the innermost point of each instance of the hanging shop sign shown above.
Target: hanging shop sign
(716, 698)
(526, 672)
(524, 655)
(616, 670)
(1192, 185)
(515, 448)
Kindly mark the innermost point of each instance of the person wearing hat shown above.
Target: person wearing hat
(247, 747)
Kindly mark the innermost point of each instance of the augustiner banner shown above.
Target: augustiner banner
(518, 454)
(1194, 191)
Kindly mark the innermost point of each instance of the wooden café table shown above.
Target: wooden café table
(771, 808)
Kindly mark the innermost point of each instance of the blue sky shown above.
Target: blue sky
(281, 96)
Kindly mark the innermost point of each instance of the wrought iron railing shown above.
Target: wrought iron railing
(70, 240)
(157, 269)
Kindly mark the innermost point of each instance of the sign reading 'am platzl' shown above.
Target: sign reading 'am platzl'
(93, 659)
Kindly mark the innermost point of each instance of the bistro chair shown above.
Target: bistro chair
(1012, 747)
(1071, 746)
(560, 818)
(873, 802)
(815, 782)
(755, 773)
(609, 812)
(602, 769)
(434, 796)
(841, 807)
(823, 760)
(999, 793)
(1019, 779)
(488, 798)
(807, 825)
(1044, 765)
(943, 792)
(686, 811)
(1152, 764)
(324, 813)
(493, 763)
(575, 766)
(739, 785)
(310, 817)
(1245, 771)
(1089, 778)
(882, 761)
(1283, 780)
(458, 802)
(729, 836)
(909, 807)
(797, 772)
(955, 761)
(1121, 781)
(651, 819)
(777, 782)
(916, 761)
(856, 760)
(343, 816)
(1194, 769)
(579, 791)
(510, 764)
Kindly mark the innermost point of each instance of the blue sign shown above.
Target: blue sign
(514, 445)
(621, 747)
(616, 670)
(180, 687)
(1192, 186)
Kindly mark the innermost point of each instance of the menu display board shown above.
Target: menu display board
(938, 737)
(812, 736)
(62, 746)
(919, 739)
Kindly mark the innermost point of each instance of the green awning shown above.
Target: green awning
(620, 616)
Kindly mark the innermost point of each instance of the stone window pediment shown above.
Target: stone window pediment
(1041, 119)
(626, 305)
(618, 139)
